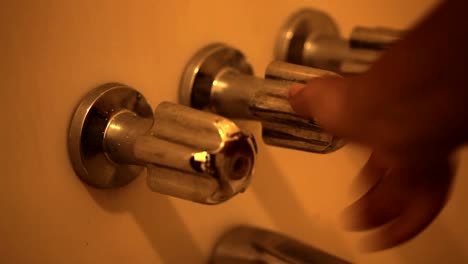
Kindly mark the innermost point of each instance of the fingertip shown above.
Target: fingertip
(293, 90)
(324, 100)
(300, 100)
(304, 97)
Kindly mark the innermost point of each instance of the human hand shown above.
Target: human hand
(410, 109)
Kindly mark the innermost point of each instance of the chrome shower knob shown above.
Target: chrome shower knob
(219, 79)
(189, 154)
(311, 38)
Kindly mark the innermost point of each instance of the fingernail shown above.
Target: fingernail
(293, 90)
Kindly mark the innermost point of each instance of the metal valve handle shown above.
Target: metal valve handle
(189, 154)
(311, 37)
(219, 79)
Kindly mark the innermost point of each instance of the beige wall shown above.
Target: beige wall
(53, 52)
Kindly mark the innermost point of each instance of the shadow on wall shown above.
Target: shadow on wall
(157, 217)
(435, 245)
(287, 212)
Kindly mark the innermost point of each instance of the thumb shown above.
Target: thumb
(324, 100)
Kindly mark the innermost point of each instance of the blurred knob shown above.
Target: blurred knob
(311, 38)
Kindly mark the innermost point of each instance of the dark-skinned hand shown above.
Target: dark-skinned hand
(411, 109)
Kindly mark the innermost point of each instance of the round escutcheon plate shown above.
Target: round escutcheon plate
(302, 26)
(202, 69)
(87, 132)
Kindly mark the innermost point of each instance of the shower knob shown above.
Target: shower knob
(190, 154)
(219, 79)
(311, 37)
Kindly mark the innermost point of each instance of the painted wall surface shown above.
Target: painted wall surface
(54, 51)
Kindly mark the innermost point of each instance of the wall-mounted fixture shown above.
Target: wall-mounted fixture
(246, 244)
(190, 154)
(311, 37)
(219, 79)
